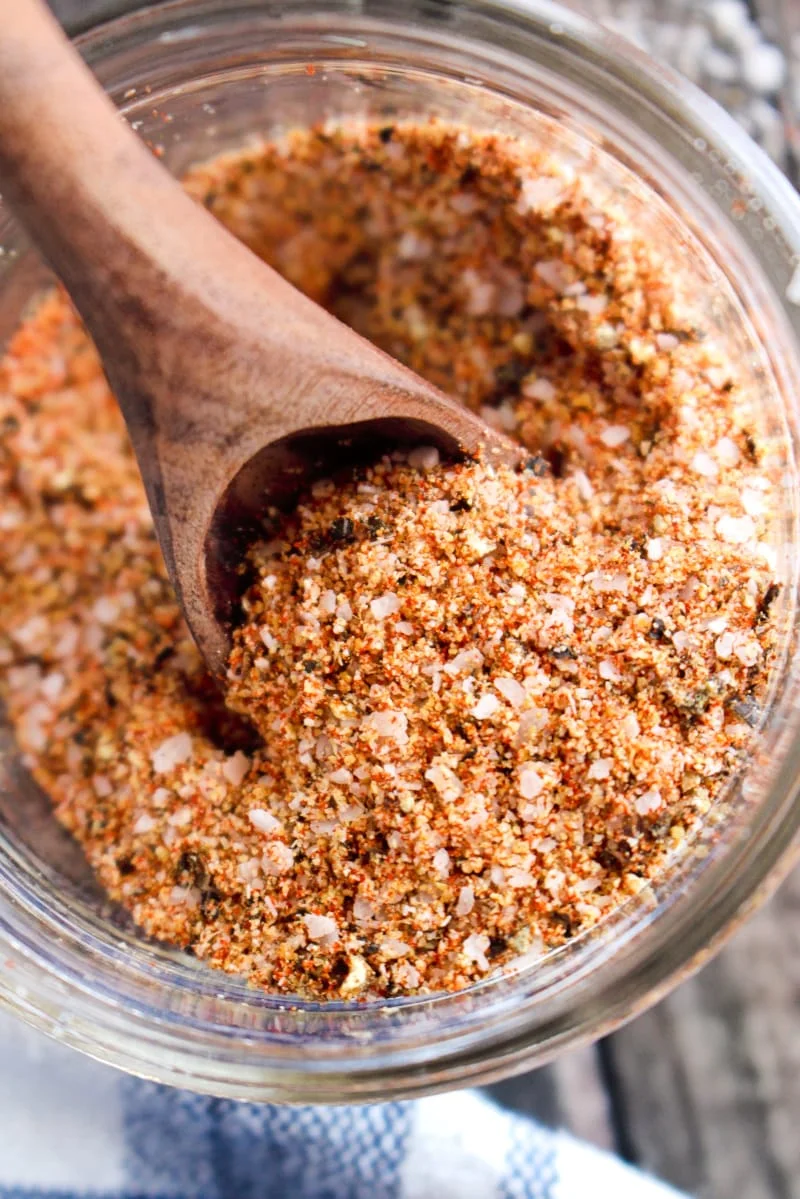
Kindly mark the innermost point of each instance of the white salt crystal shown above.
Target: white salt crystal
(319, 927)
(145, 824)
(539, 389)
(105, 610)
(592, 305)
(541, 194)
(180, 817)
(441, 863)
(655, 548)
(718, 625)
(608, 671)
(703, 464)
(405, 627)
(736, 529)
(263, 821)
(269, 641)
(511, 690)
(615, 435)
(763, 68)
(385, 605)
(723, 646)
(648, 802)
(327, 602)
(465, 902)
(746, 649)
(600, 769)
(277, 858)
(344, 611)
(583, 485)
(726, 452)
(445, 780)
(630, 725)
(498, 876)
(363, 910)
(555, 274)
(171, 753)
(667, 342)
(52, 685)
(681, 641)
(393, 947)
(753, 502)
(520, 878)
(486, 706)
(341, 777)
(475, 946)
(530, 781)
(102, 786)
(424, 457)
(466, 661)
(390, 724)
(236, 767)
(188, 897)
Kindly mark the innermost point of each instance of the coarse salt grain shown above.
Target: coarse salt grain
(655, 549)
(648, 802)
(171, 753)
(530, 782)
(263, 821)
(475, 946)
(441, 863)
(390, 724)
(320, 927)
(615, 435)
(486, 706)
(385, 605)
(608, 671)
(144, 824)
(600, 769)
(511, 690)
(465, 902)
(102, 786)
(539, 389)
(445, 780)
(704, 465)
(736, 529)
(630, 725)
(277, 858)
(424, 457)
(236, 767)
(466, 661)
(269, 641)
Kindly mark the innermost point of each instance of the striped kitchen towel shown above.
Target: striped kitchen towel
(70, 1128)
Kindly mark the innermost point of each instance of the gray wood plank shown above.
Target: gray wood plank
(707, 1084)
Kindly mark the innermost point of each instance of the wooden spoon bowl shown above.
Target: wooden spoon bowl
(235, 387)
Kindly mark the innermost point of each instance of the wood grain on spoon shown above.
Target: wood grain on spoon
(232, 383)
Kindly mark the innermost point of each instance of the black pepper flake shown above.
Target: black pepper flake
(385, 134)
(310, 665)
(657, 629)
(376, 526)
(537, 466)
(342, 530)
(497, 945)
(748, 708)
(766, 602)
(461, 505)
(563, 653)
(125, 866)
(468, 175)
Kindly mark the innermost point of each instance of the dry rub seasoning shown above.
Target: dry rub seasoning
(488, 706)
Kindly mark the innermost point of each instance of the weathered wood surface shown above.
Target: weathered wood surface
(703, 1090)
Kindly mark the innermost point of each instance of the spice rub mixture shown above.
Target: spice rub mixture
(483, 707)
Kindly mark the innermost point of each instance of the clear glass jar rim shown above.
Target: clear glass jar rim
(59, 988)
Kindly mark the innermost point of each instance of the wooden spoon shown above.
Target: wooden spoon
(234, 385)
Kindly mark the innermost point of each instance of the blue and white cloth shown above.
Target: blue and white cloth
(71, 1128)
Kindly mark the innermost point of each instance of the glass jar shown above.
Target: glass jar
(196, 77)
